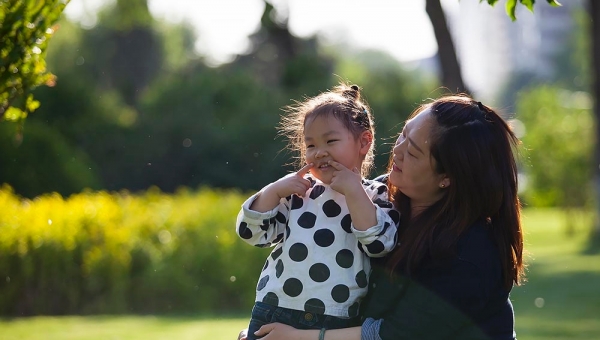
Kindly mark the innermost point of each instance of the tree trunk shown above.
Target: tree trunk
(594, 10)
(449, 66)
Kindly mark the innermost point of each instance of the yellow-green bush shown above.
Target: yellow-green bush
(101, 252)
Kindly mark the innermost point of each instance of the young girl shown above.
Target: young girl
(324, 219)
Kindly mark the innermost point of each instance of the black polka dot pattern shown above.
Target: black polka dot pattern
(276, 253)
(361, 279)
(280, 217)
(383, 204)
(262, 283)
(271, 298)
(324, 238)
(317, 191)
(319, 265)
(353, 309)
(344, 258)
(297, 202)
(347, 223)
(292, 287)
(298, 252)
(244, 232)
(395, 216)
(319, 272)
(376, 247)
(279, 269)
(307, 220)
(315, 306)
(278, 238)
(340, 293)
(331, 208)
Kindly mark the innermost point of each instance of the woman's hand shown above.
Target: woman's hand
(278, 331)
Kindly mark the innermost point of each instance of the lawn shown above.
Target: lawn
(561, 299)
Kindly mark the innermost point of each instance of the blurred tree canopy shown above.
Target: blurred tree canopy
(134, 106)
(25, 29)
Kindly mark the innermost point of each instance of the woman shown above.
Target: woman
(453, 177)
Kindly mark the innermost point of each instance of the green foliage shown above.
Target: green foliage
(26, 26)
(44, 162)
(557, 142)
(100, 252)
(573, 65)
(511, 5)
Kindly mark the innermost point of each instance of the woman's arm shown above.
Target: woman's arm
(278, 331)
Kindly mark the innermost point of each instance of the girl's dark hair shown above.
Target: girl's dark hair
(475, 148)
(343, 102)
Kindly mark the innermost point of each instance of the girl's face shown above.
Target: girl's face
(413, 170)
(327, 139)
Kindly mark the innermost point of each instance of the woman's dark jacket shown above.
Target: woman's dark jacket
(459, 298)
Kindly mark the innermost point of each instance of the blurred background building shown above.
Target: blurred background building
(492, 48)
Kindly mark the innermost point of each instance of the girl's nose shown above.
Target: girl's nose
(321, 153)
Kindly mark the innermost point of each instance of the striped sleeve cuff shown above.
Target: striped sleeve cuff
(370, 329)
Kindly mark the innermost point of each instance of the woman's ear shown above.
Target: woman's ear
(366, 139)
(445, 182)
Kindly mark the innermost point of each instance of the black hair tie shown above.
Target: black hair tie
(481, 107)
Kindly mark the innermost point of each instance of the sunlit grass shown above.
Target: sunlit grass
(120, 328)
(561, 299)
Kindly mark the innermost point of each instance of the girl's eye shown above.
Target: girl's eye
(332, 140)
(310, 146)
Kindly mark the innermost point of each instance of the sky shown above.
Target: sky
(399, 27)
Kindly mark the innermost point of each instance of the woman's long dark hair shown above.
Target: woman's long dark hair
(474, 147)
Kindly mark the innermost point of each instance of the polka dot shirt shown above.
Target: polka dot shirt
(320, 262)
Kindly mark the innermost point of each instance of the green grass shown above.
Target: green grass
(562, 279)
(120, 328)
(561, 299)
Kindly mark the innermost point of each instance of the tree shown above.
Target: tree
(451, 76)
(26, 26)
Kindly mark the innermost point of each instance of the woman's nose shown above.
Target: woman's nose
(398, 150)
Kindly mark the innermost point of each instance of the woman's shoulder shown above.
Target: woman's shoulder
(478, 249)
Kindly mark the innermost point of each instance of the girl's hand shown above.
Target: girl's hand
(295, 184)
(345, 181)
(243, 334)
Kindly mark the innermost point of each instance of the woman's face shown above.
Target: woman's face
(413, 168)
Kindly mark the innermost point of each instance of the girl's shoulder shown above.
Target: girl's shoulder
(381, 178)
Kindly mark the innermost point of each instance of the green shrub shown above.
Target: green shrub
(101, 252)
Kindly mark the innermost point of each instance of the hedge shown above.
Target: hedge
(107, 253)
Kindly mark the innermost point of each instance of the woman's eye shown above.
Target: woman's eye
(310, 146)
